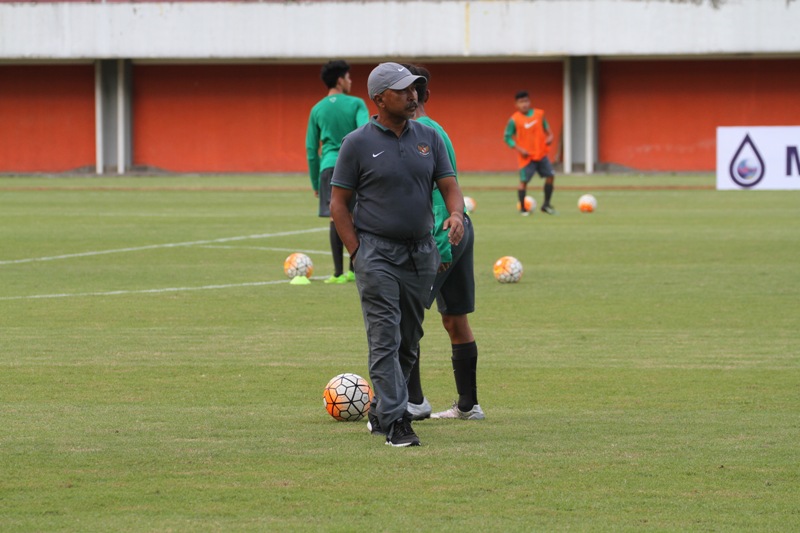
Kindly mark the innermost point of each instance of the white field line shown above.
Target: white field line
(267, 249)
(156, 246)
(150, 291)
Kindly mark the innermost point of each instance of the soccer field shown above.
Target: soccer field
(158, 372)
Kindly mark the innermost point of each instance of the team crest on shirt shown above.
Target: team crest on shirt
(424, 149)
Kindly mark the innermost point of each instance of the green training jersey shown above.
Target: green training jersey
(440, 213)
(330, 120)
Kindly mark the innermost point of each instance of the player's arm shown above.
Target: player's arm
(312, 152)
(340, 199)
(454, 201)
(446, 181)
(362, 114)
(549, 133)
(440, 212)
(510, 136)
(344, 182)
(510, 133)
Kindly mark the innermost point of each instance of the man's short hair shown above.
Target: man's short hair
(332, 71)
(421, 84)
(521, 94)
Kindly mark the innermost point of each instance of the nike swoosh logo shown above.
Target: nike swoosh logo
(529, 125)
(401, 69)
(379, 153)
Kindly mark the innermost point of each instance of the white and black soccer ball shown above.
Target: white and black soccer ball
(298, 264)
(347, 397)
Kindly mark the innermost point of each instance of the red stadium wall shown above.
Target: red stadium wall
(46, 118)
(653, 115)
(663, 115)
(221, 118)
(252, 118)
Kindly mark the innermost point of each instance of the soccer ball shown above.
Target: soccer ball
(346, 397)
(587, 203)
(298, 264)
(530, 204)
(469, 204)
(507, 269)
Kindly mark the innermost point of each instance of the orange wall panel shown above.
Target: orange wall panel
(663, 115)
(46, 118)
(227, 118)
(221, 118)
(253, 118)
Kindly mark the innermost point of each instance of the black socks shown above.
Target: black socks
(415, 385)
(465, 364)
(337, 247)
(548, 192)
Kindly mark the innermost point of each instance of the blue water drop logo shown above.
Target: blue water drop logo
(747, 166)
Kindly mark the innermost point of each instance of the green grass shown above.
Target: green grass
(642, 376)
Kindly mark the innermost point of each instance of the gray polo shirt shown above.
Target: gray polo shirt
(393, 178)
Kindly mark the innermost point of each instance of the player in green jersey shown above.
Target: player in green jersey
(453, 290)
(330, 120)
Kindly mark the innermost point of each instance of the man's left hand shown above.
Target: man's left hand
(455, 223)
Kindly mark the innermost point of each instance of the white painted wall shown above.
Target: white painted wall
(450, 29)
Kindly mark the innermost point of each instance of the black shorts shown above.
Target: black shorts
(542, 167)
(454, 289)
(325, 188)
(325, 192)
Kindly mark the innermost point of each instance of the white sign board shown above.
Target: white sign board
(758, 157)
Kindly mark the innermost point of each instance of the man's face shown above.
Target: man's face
(523, 104)
(345, 83)
(400, 103)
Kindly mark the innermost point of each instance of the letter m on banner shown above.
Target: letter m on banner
(792, 157)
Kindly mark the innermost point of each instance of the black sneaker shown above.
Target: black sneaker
(401, 435)
(547, 208)
(373, 426)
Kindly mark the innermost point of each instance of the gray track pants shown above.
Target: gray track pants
(394, 280)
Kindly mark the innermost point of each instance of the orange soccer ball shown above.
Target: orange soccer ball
(298, 264)
(530, 204)
(587, 203)
(347, 397)
(507, 269)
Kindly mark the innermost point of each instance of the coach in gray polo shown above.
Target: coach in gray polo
(391, 164)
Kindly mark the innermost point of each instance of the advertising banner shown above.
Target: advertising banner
(758, 157)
